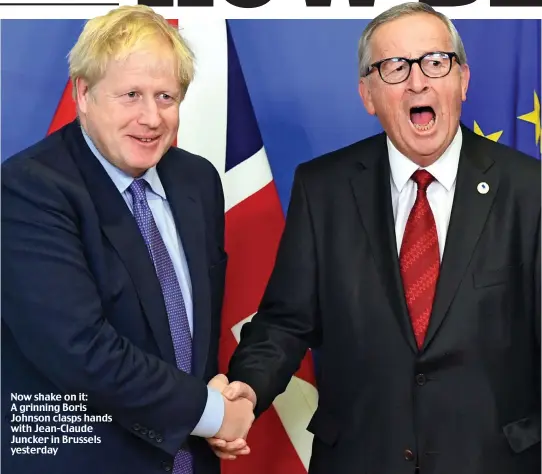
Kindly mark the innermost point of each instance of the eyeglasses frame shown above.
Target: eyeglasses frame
(377, 65)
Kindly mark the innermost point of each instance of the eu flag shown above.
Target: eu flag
(503, 100)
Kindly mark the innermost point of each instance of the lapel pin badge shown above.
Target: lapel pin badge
(483, 188)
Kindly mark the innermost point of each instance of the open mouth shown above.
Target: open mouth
(423, 118)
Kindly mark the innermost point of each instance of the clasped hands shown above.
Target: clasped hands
(239, 403)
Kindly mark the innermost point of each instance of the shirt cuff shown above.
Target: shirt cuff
(212, 417)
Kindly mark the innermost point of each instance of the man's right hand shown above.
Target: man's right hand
(234, 423)
(238, 418)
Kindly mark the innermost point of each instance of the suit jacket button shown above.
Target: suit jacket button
(167, 466)
(409, 455)
(143, 431)
(158, 439)
(136, 427)
(151, 434)
(420, 379)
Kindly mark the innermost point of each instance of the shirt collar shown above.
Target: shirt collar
(444, 169)
(121, 179)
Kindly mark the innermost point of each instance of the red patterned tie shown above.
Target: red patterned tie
(419, 258)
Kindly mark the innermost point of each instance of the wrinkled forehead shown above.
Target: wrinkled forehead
(410, 36)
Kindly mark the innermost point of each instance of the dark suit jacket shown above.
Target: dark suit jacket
(82, 308)
(469, 401)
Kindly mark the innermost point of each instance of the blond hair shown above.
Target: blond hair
(117, 34)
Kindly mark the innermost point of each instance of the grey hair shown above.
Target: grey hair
(394, 13)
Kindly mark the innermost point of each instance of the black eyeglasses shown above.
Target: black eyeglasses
(396, 70)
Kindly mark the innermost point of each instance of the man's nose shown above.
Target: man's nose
(417, 81)
(150, 113)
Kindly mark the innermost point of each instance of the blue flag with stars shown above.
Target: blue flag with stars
(503, 100)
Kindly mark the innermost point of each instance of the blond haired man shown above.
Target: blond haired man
(113, 241)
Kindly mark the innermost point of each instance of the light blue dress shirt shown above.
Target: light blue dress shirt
(213, 415)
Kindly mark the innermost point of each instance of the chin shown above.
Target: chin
(147, 154)
(143, 163)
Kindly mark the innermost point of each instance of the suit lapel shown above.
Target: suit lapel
(469, 214)
(120, 228)
(186, 206)
(371, 188)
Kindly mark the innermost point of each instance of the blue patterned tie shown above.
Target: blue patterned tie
(173, 297)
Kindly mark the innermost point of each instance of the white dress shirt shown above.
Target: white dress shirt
(440, 192)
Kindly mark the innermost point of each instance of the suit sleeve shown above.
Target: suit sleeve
(52, 307)
(274, 343)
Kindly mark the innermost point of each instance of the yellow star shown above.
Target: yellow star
(492, 136)
(534, 117)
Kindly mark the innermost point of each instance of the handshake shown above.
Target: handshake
(239, 403)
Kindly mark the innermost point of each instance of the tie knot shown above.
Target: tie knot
(137, 188)
(423, 179)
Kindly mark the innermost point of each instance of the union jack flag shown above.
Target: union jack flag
(219, 123)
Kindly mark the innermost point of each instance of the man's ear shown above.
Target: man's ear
(465, 78)
(83, 94)
(366, 96)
